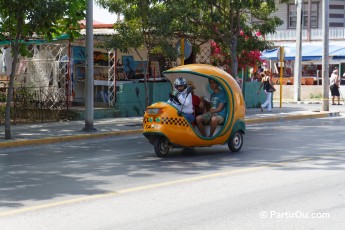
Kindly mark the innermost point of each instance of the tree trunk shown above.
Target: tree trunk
(11, 85)
(234, 60)
(10, 90)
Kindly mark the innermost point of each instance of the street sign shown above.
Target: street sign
(187, 48)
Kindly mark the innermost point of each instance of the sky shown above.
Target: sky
(102, 15)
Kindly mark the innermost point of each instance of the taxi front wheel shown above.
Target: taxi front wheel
(161, 146)
(236, 141)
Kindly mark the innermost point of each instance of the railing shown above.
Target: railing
(35, 104)
(315, 34)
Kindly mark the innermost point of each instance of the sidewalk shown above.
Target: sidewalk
(42, 133)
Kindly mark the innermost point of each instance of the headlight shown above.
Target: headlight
(154, 111)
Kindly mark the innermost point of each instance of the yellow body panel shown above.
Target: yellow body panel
(176, 128)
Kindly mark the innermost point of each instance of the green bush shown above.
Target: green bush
(3, 97)
(316, 96)
(2, 111)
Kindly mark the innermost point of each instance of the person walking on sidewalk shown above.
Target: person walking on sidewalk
(269, 89)
(334, 86)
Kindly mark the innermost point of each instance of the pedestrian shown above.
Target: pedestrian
(255, 77)
(334, 86)
(269, 89)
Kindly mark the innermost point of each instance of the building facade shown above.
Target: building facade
(312, 22)
(312, 36)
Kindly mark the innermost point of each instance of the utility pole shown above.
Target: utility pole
(309, 23)
(88, 91)
(325, 54)
(298, 59)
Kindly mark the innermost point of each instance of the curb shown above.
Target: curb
(291, 117)
(305, 102)
(51, 140)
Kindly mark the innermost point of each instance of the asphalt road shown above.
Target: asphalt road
(289, 175)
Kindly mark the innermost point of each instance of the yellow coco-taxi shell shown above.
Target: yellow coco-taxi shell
(176, 128)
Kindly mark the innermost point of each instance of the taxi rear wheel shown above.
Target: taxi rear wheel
(161, 146)
(236, 141)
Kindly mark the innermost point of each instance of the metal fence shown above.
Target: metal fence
(35, 104)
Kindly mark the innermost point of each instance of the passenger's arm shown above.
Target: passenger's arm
(218, 109)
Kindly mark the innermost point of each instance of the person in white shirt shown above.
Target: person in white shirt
(7, 60)
(334, 86)
(181, 98)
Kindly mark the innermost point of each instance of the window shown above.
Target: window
(313, 15)
(336, 7)
(336, 24)
(336, 15)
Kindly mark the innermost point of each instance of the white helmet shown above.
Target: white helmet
(180, 81)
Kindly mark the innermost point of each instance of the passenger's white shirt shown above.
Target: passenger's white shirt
(186, 102)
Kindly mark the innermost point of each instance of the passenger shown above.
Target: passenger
(197, 101)
(205, 105)
(181, 98)
(217, 113)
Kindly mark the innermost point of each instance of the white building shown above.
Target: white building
(311, 33)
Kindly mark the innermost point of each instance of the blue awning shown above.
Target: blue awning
(309, 53)
(338, 54)
(272, 54)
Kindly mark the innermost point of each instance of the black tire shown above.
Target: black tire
(161, 146)
(236, 141)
